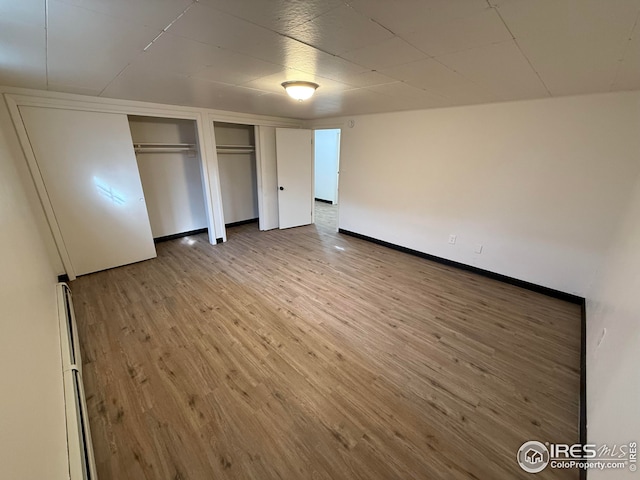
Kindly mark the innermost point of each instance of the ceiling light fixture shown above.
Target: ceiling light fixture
(299, 90)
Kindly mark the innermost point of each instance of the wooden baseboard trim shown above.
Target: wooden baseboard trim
(568, 297)
(241, 222)
(179, 235)
(323, 201)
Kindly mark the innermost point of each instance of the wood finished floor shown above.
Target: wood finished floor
(306, 354)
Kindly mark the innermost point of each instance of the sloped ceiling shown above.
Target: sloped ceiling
(367, 55)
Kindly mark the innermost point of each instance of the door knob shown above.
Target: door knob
(281, 188)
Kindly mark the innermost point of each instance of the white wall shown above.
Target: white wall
(172, 182)
(326, 157)
(537, 183)
(238, 176)
(613, 381)
(32, 421)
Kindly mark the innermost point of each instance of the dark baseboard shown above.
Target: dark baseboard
(63, 278)
(529, 286)
(568, 297)
(583, 380)
(324, 201)
(241, 222)
(179, 235)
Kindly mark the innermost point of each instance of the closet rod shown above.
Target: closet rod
(164, 147)
(165, 150)
(236, 150)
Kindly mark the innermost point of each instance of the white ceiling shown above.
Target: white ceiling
(367, 55)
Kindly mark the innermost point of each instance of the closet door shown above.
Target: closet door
(89, 170)
(295, 176)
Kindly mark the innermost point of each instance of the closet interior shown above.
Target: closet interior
(236, 150)
(171, 175)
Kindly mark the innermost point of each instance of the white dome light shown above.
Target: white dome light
(300, 90)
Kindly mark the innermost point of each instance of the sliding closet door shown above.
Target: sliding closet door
(89, 169)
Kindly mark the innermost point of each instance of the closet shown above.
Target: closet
(112, 178)
(266, 174)
(170, 170)
(236, 150)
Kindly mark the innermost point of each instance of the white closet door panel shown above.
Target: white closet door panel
(89, 169)
(295, 176)
(267, 177)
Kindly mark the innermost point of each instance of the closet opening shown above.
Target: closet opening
(171, 174)
(237, 167)
(326, 144)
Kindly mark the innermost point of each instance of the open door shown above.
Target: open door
(89, 170)
(295, 176)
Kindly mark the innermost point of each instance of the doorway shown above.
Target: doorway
(326, 177)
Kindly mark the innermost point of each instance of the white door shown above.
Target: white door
(91, 177)
(295, 176)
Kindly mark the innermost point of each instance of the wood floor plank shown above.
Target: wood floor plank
(306, 354)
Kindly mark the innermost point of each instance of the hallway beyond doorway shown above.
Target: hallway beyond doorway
(326, 216)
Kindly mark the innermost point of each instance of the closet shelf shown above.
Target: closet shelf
(164, 147)
(235, 149)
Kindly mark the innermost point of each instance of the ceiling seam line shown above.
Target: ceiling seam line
(483, 86)
(532, 67)
(280, 33)
(145, 49)
(114, 79)
(624, 52)
(515, 40)
(284, 35)
(397, 35)
(164, 30)
(382, 26)
(371, 19)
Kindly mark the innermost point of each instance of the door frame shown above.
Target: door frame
(337, 194)
(338, 127)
